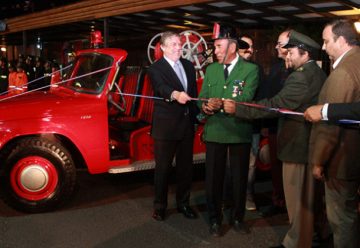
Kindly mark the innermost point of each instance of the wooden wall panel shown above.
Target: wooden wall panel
(89, 10)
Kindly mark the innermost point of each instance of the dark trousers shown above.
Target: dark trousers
(3, 85)
(278, 197)
(342, 210)
(165, 150)
(216, 155)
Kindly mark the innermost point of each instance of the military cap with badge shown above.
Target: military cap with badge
(301, 41)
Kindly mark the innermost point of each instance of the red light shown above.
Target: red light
(216, 31)
(96, 38)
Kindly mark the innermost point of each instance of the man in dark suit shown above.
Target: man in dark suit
(334, 149)
(300, 91)
(173, 79)
(272, 85)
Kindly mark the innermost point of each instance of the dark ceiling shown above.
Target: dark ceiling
(245, 14)
(13, 8)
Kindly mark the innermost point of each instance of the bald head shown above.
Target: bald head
(282, 40)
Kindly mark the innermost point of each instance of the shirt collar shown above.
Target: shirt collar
(336, 63)
(172, 63)
(233, 63)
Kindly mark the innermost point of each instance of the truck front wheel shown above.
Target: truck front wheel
(39, 175)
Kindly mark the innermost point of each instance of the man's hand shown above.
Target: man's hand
(318, 172)
(211, 106)
(229, 106)
(206, 109)
(214, 104)
(313, 113)
(181, 97)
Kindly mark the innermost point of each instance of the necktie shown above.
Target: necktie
(226, 72)
(177, 69)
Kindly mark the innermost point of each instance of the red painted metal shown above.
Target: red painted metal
(263, 162)
(80, 115)
(141, 145)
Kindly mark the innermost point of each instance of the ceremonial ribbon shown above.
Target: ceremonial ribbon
(290, 112)
(253, 105)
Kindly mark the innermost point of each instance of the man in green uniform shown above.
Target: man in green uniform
(301, 90)
(230, 77)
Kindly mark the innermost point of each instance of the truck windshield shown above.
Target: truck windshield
(83, 76)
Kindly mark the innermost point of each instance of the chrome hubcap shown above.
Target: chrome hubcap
(34, 178)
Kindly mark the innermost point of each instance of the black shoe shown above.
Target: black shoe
(278, 246)
(241, 227)
(187, 212)
(159, 214)
(272, 210)
(318, 241)
(215, 229)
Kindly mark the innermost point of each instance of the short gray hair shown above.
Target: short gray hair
(166, 35)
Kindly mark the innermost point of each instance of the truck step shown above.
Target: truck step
(149, 164)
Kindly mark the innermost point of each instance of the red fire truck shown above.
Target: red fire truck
(45, 136)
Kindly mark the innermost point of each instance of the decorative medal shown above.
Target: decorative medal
(235, 90)
(238, 88)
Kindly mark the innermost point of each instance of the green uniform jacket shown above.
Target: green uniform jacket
(300, 91)
(239, 86)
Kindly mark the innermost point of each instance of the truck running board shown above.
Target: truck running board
(150, 164)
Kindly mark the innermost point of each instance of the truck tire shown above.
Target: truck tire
(39, 175)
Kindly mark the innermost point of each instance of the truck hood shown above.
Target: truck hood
(43, 104)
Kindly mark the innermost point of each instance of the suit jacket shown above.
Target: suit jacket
(170, 117)
(300, 91)
(4, 84)
(349, 111)
(333, 146)
(273, 84)
(239, 86)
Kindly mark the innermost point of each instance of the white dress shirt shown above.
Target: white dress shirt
(324, 110)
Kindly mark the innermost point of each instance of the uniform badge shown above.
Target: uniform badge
(235, 90)
(238, 88)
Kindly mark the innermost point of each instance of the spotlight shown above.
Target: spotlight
(357, 26)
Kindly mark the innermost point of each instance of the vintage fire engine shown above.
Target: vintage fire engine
(45, 136)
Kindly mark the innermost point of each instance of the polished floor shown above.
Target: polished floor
(115, 211)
